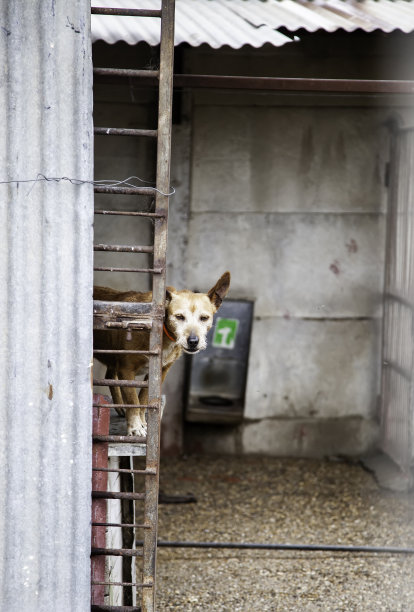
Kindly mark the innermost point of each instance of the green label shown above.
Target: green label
(225, 333)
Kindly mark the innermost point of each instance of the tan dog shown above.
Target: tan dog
(188, 318)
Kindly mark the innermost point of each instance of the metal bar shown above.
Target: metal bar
(127, 535)
(117, 495)
(119, 440)
(147, 191)
(105, 608)
(103, 131)
(123, 308)
(123, 352)
(123, 248)
(143, 406)
(137, 526)
(205, 81)
(158, 297)
(137, 270)
(105, 322)
(99, 506)
(123, 12)
(130, 324)
(127, 73)
(127, 213)
(135, 584)
(304, 547)
(124, 470)
(283, 84)
(110, 382)
(117, 552)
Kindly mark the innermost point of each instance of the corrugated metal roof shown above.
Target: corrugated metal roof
(252, 22)
(46, 306)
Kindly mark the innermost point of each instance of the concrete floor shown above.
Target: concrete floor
(256, 499)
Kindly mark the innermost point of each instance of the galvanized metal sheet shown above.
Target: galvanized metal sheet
(215, 23)
(46, 306)
(251, 22)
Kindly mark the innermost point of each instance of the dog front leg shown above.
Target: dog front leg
(111, 373)
(135, 416)
(143, 395)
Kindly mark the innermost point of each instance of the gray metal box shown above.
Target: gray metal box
(217, 376)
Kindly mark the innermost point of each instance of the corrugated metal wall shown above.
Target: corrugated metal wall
(45, 305)
(397, 421)
(237, 22)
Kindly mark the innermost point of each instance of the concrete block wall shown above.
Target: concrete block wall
(292, 202)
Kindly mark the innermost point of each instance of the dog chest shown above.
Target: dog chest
(169, 354)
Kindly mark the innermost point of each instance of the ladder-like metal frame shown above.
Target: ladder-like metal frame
(151, 316)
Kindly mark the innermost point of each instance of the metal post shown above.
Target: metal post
(158, 298)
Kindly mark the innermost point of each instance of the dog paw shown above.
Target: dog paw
(137, 429)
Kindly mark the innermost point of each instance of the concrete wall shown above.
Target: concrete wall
(291, 200)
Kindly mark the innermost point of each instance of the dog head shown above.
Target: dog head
(189, 316)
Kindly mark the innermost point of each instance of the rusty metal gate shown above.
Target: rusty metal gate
(397, 420)
(136, 316)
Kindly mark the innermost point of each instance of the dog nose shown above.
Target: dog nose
(192, 342)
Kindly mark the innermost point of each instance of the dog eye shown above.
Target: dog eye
(204, 318)
(180, 317)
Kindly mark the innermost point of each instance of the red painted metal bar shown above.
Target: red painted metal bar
(99, 483)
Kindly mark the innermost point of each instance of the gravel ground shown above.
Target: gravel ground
(256, 499)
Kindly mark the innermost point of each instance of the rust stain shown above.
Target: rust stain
(50, 393)
(352, 246)
(334, 267)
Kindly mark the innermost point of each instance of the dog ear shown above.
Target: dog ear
(220, 289)
(168, 294)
